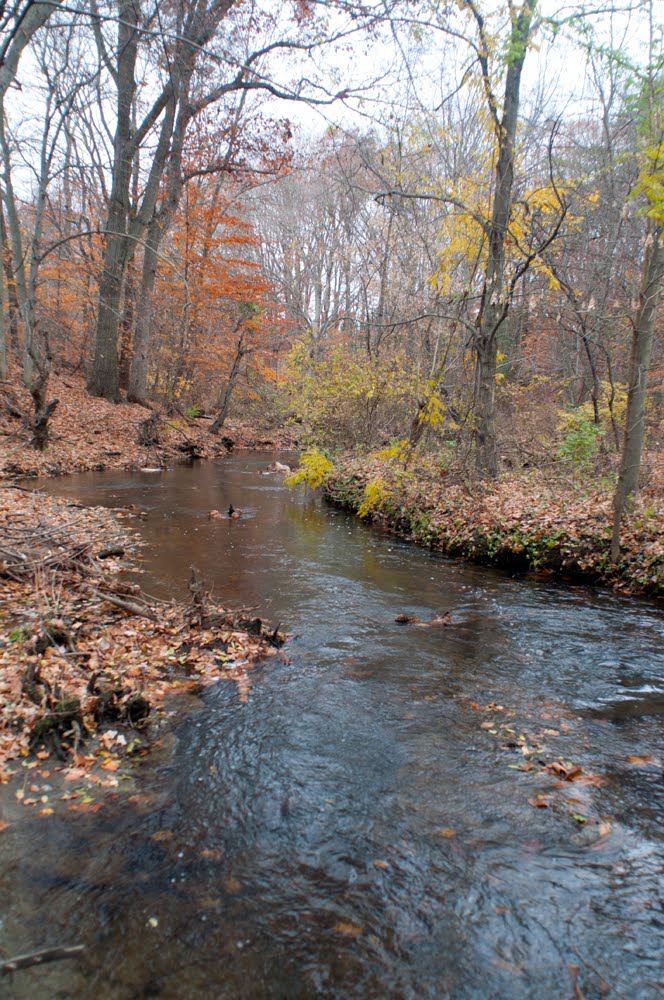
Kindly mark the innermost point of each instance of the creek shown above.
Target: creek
(360, 827)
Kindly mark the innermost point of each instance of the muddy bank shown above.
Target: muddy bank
(84, 653)
(520, 525)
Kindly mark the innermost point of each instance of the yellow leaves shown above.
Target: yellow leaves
(376, 495)
(348, 928)
(315, 469)
(434, 412)
(340, 394)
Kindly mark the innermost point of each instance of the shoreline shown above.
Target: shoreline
(513, 526)
(87, 660)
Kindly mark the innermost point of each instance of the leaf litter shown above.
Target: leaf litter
(87, 660)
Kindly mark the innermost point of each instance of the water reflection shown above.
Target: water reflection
(352, 831)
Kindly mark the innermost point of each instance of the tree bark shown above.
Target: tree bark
(104, 377)
(226, 393)
(494, 305)
(642, 338)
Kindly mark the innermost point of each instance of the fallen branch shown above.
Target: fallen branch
(119, 602)
(39, 958)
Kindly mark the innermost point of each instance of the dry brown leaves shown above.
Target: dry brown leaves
(69, 646)
(560, 526)
(90, 433)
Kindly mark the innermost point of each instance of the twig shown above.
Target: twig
(130, 606)
(39, 958)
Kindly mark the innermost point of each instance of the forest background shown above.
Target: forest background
(450, 263)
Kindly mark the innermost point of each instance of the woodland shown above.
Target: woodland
(423, 242)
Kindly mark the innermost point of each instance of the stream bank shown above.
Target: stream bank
(89, 433)
(86, 657)
(521, 524)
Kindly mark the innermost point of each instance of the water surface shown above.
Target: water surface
(352, 830)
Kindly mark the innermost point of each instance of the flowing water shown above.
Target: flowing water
(356, 829)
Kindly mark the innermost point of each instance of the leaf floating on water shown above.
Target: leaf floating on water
(568, 772)
(4, 825)
(348, 928)
(212, 853)
(539, 803)
(640, 759)
(232, 885)
(161, 836)
(86, 807)
(446, 832)
(380, 863)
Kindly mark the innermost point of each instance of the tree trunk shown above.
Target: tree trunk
(104, 377)
(226, 393)
(642, 337)
(127, 324)
(486, 458)
(494, 305)
(12, 297)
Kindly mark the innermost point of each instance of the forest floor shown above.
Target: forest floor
(88, 661)
(523, 523)
(88, 433)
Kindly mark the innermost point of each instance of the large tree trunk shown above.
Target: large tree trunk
(494, 305)
(104, 377)
(642, 337)
(138, 370)
(12, 296)
(29, 19)
(486, 456)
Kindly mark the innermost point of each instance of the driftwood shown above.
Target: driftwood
(39, 958)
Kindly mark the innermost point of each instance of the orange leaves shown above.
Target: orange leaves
(641, 760)
(568, 772)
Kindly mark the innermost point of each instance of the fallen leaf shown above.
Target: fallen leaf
(348, 928)
(213, 853)
(539, 803)
(111, 764)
